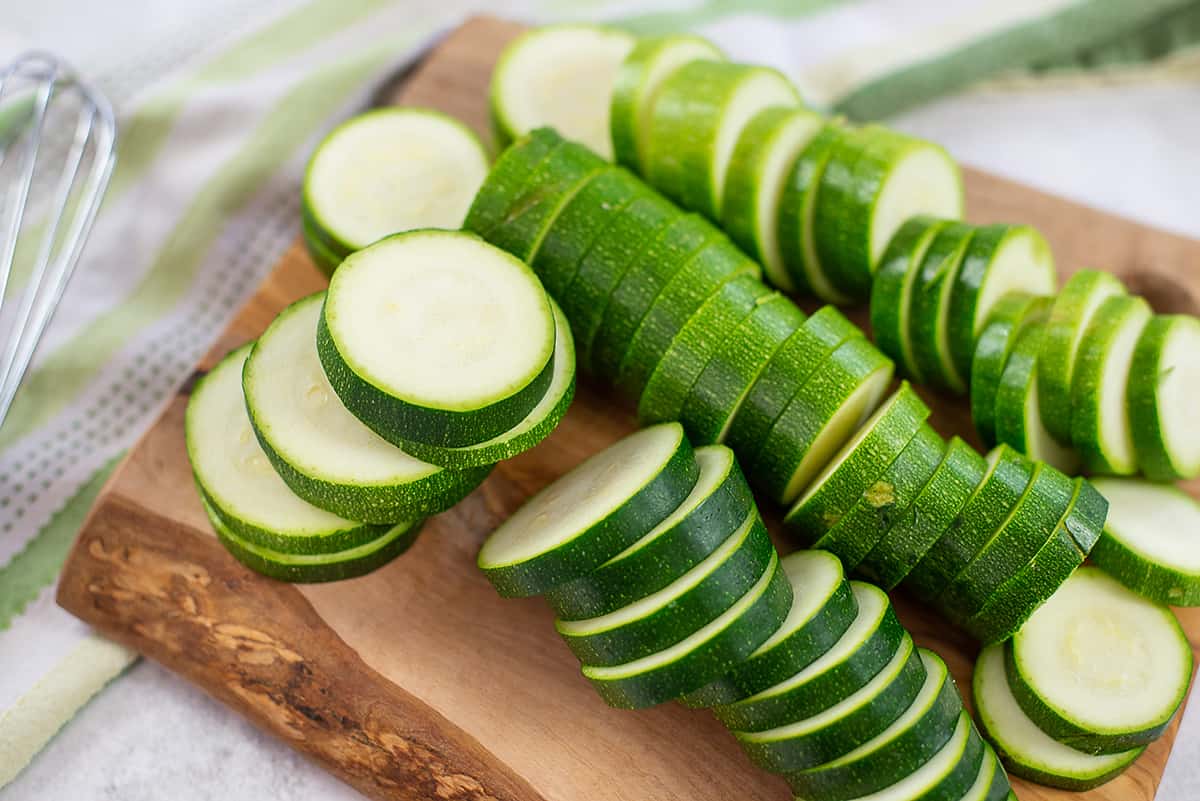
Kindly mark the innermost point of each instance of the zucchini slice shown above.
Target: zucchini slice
(933, 719)
(591, 514)
(350, 187)
(537, 425)
(560, 76)
(321, 451)
(991, 783)
(1069, 320)
(1009, 317)
(698, 114)
(875, 181)
(713, 401)
(1149, 541)
(852, 721)
(503, 184)
(681, 363)
(833, 403)
(1000, 259)
(866, 646)
(891, 293)
(1098, 667)
(1018, 413)
(1025, 749)
(717, 505)
(929, 314)
(758, 170)
(703, 656)
(823, 608)
(852, 471)
(928, 517)
(236, 479)
(678, 610)
(1100, 426)
(1164, 383)
(651, 61)
(323, 258)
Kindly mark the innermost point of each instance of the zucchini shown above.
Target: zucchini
(823, 608)
(758, 169)
(831, 405)
(722, 386)
(991, 783)
(537, 425)
(928, 517)
(718, 504)
(703, 656)
(561, 76)
(591, 514)
(1026, 750)
(321, 451)
(1018, 413)
(1098, 667)
(852, 721)
(891, 293)
(651, 61)
(437, 337)
(350, 192)
(1148, 542)
(929, 314)
(1000, 259)
(698, 114)
(1069, 319)
(855, 468)
(503, 184)
(1163, 384)
(1009, 317)
(324, 259)
(867, 645)
(697, 341)
(933, 719)
(1100, 426)
(875, 181)
(236, 479)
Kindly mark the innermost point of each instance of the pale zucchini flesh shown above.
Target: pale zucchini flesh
(1164, 383)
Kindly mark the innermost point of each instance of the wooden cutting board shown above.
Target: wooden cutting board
(418, 681)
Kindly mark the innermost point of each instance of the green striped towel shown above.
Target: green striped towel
(204, 200)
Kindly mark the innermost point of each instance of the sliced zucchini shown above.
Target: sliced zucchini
(324, 259)
(703, 656)
(928, 517)
(1008, 319)
(1018, 413)
(723, 384)
(991, 783)
(320, 450)
(758, 170)
(591, 514)
(867, 645)
(1025, 749)
(933, 719)
(350, 187)
(929, 314)
(561, 76)
(698, 340)
(1098, 667)
(1149, 541)
(823, 608)
(698, 114)
(1070, 317)
(235, 476)
(875, 181)
(833, 403)
(1164, 383)
(718, 504)
(856, 467)
(496, 197)
(1000, 259)
(891, 293)
(651, 61)
(1100, 425)
(437, 337)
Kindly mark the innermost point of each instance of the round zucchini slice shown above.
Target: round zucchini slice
(504, 183)
(1018, 413)
(929, 315)
(1009, 318)
(1164, 383)
(891, 293)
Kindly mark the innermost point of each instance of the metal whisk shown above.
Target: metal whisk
(56, 133)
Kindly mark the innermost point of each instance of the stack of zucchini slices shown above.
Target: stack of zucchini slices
(362, 410)
(667, 586)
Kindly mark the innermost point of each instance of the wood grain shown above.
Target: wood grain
(418, 681)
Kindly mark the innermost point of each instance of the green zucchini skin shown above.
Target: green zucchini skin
(693, 346)
(508, 175)
(653, 565)
(929, 308)
(1157, 457)
(891, 291)
(684, 615)
(954, 785)
(928, 517)
(323, 258)
(1009, 318)
(722, 386)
